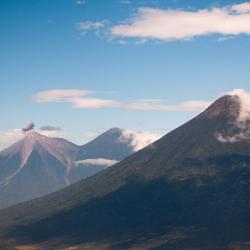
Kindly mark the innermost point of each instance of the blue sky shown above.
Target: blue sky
(112, 49)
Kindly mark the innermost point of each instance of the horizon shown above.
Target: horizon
(93, 70)
(140, 139)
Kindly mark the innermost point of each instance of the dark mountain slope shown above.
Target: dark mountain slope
(189, 190)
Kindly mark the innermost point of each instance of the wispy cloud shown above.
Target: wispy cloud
(50, 128)
(93, 103)
(80, 2)
(184, 106)
(82, 99)
(125, 1)
(91, 25)
(60, 95)
(85, 27)
(54, 133)
(175, 24)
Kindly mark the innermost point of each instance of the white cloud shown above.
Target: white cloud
(93, 103)
(96, 162)
(80, 2)
(243, 119)
(97, 27)
(174, 24)
(60, 95)
(234, 138)
(125, 1)
(244, 97)
(80, 99)
(91, 25)
(184, 106)
(241, 8)
(91, 135)
(138, 139)
(224, 38)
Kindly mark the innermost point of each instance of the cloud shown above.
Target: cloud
(53, 131)
(80, 2)
(138, 139)
(91, 25)
(81, 99)
(50, 128)
(243, 120)
(242, 8)
(28, 127)
(96, 27)
(224, 38)
(184, 106)
(10, 136)
(91, 135)
(244, 98)
(93, 103)
(125, 1)
(234, 138)
(176, 24)
(96, 162)
(60, 95)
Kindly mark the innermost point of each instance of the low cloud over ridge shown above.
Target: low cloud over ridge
(138, 139)
(243, 119)
(95, 162)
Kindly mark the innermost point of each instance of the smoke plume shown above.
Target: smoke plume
(28, 127)
(50, 128)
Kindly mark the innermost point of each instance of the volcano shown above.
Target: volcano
(34, 166)
(38, 165)
(188, 190)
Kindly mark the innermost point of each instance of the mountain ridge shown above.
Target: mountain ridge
(18, 160)
(181, 192)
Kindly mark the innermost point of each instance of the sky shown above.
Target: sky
(76, 68)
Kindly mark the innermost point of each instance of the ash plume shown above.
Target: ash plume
(50, 128)
(28, 127)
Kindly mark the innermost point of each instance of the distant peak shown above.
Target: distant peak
(115, 130)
